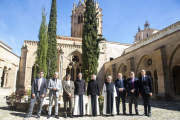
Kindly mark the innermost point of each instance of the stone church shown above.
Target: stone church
(156, 51)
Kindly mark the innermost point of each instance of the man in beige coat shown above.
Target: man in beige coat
(68, 94)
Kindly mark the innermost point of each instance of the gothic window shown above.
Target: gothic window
(79, 19)
(139, 38)
(147, 35)
(149, 62)
(75, 58)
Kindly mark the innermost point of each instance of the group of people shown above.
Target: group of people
(74, 92)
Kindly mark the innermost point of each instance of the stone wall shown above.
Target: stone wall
(157, 54)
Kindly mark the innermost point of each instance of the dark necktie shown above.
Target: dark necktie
(133, 83)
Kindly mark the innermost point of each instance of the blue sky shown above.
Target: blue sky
(20, 19)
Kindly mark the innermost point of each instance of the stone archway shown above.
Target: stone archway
(176, 79)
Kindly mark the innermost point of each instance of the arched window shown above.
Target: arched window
(139, 38)
(147, 35)
(80, 18)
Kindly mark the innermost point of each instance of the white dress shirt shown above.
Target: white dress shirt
(68, 83)
(39, 83)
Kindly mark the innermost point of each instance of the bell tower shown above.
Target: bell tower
(77, 18)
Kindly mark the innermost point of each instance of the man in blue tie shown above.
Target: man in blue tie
(145, 89)
(120, 85)
(132, 86)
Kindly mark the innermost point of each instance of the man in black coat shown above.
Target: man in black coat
(145, 89)
(38, 92)
(79, 92)
(120, 85)
(132, 85)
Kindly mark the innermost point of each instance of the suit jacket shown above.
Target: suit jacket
(51, 85)
(68, 89)
(146, 85)
(129, 86)
(80, 87)
(43, 87)
(118, 85)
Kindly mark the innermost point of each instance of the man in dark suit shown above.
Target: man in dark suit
(120, 85)
(145, 89)
(38, 92)
(132, 85)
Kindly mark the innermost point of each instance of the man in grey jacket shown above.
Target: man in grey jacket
(54, 86)
(38, 92)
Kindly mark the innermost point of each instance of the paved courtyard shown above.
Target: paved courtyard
(161, 110)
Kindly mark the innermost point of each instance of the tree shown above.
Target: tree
(90, 42)
(40, 63)
(52, 35)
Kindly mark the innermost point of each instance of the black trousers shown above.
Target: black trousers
(131, 99)
(94, 105)
(123, 98)
(81, 105)
(146, 101)
(109, 104)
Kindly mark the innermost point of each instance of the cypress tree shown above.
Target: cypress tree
(40, 63)
(52, 43)
(90, 42)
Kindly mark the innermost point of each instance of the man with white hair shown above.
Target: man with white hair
(93, 95)
(54, 85)
(109, 94)
(79, 92)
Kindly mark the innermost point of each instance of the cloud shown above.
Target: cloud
(14, 45)
(4, 24)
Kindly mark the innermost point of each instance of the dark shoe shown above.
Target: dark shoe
(38, 116)
(144, 114)
(56, 116)
(112, 114)
(48, 116)
(149, 115)
(71, 116)
(65, 116)
(124, 113)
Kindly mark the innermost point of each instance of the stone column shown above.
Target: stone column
(22, 68)
(160, 72)
(5, 79)
(74, 73)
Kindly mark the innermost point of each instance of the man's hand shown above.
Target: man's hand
(120, 89)
(69, 95)
(132, 91)
(42, 96)
(54, 88)
(139, 94)
(33, 95)
(98, 97)
(150, 94)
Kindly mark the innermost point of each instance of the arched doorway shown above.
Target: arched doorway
(155, 82)
(176, 79)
